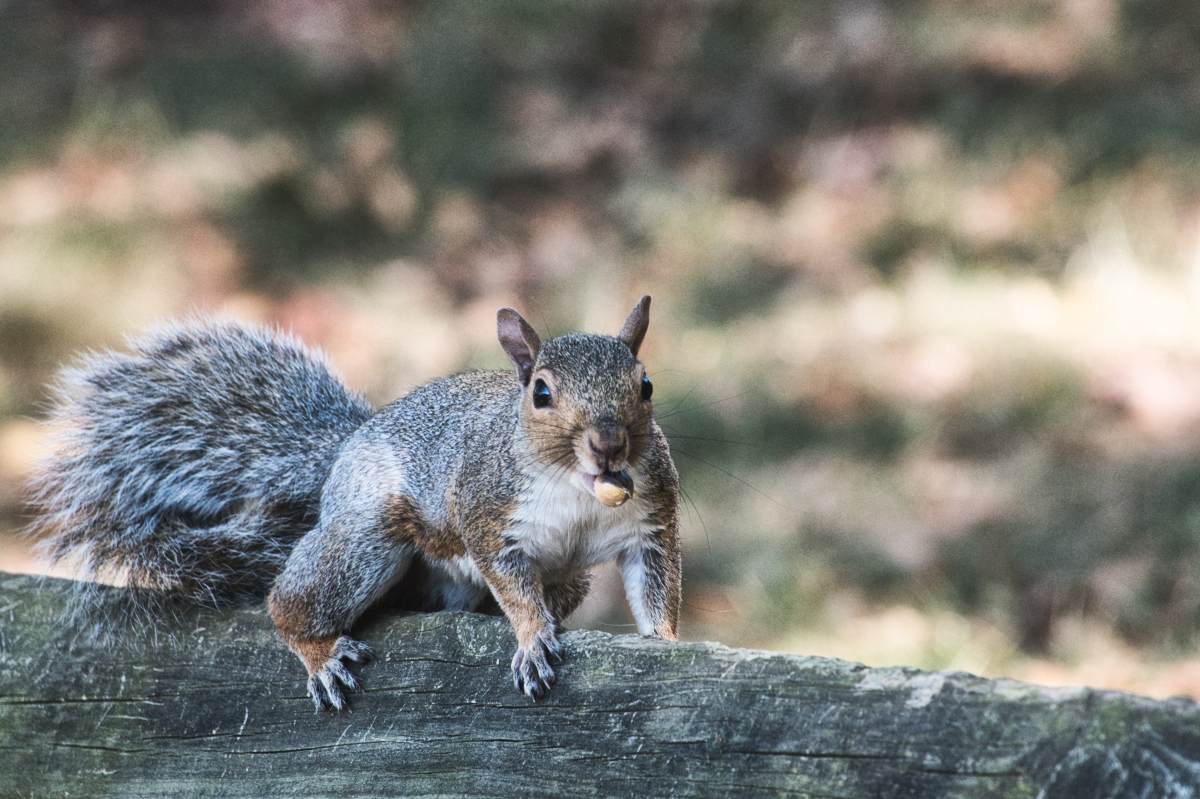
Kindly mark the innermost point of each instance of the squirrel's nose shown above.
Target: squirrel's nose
(609, 445)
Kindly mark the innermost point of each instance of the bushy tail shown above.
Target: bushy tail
(192, 465)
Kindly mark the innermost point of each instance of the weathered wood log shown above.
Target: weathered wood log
(218, 708)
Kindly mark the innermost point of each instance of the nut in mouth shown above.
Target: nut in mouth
(613, 488)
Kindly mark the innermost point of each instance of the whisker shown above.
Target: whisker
(672, 434)
(685, 397)
(703, 526)
(677, 411)
(735, 477)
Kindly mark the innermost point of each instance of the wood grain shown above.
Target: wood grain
(213, 704)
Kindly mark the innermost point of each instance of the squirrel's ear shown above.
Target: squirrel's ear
(519, 340)
(635, 326)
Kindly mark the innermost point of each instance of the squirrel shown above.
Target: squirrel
(223, 463)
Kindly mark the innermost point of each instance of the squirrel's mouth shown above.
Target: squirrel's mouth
(611, 488)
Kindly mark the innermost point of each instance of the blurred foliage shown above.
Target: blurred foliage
(925, 272)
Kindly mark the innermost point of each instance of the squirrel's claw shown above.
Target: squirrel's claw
(326, 683)
(532, 673)
(325, 692)
(354, 650)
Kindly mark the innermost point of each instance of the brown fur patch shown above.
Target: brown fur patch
(313, 652)
(512, 582)
(405, 525)
(293, 615)
(519, 595)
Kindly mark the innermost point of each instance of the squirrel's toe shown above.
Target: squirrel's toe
(532, 673)
(325, 692)
(326, 684)
(351, 649)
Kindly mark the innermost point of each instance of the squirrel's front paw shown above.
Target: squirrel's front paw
(325, 683)
(531, 668)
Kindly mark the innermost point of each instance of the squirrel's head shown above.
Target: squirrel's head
(585, 401)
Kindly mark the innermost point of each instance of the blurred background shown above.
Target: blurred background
(926, 273)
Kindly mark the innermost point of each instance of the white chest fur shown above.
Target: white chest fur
(564, 529)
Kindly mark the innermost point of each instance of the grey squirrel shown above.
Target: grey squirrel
(222, 463)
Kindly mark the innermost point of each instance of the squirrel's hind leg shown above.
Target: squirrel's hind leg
(335, 573)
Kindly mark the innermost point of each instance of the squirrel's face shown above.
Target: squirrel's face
(585, 403)
(587, 409)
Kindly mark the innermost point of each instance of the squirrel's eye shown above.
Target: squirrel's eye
(647, 388)
(541, 394)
